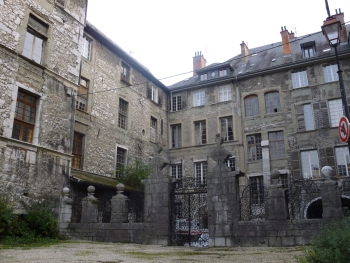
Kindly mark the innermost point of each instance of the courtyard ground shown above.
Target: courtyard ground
(130, 253)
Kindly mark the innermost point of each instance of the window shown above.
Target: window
(176, 136)
(224, 93)
(254, 147)
(154, 94)
(308, 51)
(60, 2)
(222, 72)
(342, 155)
(299, 79)
(120, 162)
(330, 73)
(251, 106)
(23, 126)
(201, 170)
(308, 117)
(34, 40)
(122, 115)
(125, 73)
(335, 111)
(257, 194)
(226, 128)
(284, 180)
(78, 151)
(199, 98)
(200, 132)
(310, 164)
(81, 101)
(153, 130)
(204, 76)
(176, 171)
(176, 103)
(231, 162)
(272, 102)
(86, 52)
(276, 141)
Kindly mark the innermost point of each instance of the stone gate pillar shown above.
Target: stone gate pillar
(157, 203)
(222, 199)
(119, 206)
(277, 198)
(89, 211)
(65, 209)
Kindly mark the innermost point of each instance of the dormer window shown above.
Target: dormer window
(308, 49)
(204, 76)
(223, 72)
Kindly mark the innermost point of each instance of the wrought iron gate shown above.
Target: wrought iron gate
(189, 214)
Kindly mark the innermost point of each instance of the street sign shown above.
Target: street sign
(343, 129)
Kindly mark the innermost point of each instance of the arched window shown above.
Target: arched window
(251, 106)
(272, 102)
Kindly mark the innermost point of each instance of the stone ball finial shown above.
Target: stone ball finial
(327, 171)
(120, 187)
(91, 189)
(65, 190)
(275, 174)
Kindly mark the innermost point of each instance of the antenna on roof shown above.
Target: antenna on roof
(327, 7)
(206, 52)
(295, 30)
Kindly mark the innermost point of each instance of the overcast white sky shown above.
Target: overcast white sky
(165, 34)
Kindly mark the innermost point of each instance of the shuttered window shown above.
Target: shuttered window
(335, 111)
(310, 164)
(200, 132)
(176, 136)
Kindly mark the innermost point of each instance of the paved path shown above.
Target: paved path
(130, 253)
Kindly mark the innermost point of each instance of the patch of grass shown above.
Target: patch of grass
(26, 242)
(84, 253)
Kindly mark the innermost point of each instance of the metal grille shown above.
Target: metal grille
(254, 199)
(123, 107)
(135, 206)
(189, 214)
(304, 200)
(345, 189)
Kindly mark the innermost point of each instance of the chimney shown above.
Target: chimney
(244, 52)
(285, 41)
(198, 62)
(291, 35)
(340, 17)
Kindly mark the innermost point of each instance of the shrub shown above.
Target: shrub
(41, 220)
(133, 173)
(332, 244)
(6, 216)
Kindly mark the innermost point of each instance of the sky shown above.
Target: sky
(164, 35)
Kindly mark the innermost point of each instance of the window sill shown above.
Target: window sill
(126, 82)
(200, 106)
(86, 59)
(257, 161)
(300, 87)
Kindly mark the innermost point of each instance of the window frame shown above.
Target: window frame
(335, 112)
(78, 150)
(86, 51)
(277, 146)
(153, 130)
(231, 163)
(203, 77)
(273, 101)
(309, 117)
(201, 137)
(199, 98)
(176, 103)
(255, 146)
(225, 133)
(342, 154)
(200, 173)
(81, 98)
(123, 114)
(307, 172)
(223, 72)
(257, 190)
(225, 93)
(330, 73)
(252, 102)
(154, 94)
(125, 71)
(306, 51)
(176, 136)
(120, 160)
(176, 171)
(299, 79)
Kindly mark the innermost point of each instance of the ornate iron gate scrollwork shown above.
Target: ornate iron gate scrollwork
(189, 214)
(304, 200)
(254, 199)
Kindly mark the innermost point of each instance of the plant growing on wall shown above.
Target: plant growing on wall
(132, 174)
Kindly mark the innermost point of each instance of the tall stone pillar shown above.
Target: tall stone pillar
(157, 203)
(89, 212)
(266, 161)
(65, 209)
(276, 202)
(222, 199)
(119, 206)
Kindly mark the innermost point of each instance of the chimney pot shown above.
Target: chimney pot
(198, 62)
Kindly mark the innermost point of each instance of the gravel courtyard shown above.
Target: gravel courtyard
(130, 253)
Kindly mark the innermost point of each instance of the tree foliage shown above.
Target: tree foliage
(133, 174)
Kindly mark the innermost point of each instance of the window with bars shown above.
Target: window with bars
(310, 164)
(299, 79)
(200, 132)
(201, 171)
(199, 98)
(122, 114)
(330, 73)
(35, 38)
(120, 161)
(254, 147)
(226, 128)
(176, 103)
(342, 158)
(86, 51)
(224, 93)
(176, 136)
(23, 126)
(125, 73)
(78, 152)
(251, 106)
(276, 141)
(335, 111)
(223, 72)
(81, 101)
(257, 195)
(153, 130)
(272, 102)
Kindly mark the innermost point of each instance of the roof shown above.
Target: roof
(269, 58)
(97, 34)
